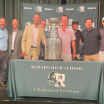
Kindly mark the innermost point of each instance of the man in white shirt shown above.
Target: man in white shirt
(15, 41)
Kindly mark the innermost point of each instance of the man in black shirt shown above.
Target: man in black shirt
(91, 39)
(78, 35)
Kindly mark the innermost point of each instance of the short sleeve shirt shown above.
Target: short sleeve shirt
(67, 38)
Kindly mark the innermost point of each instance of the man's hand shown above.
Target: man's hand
(74, 48)
(23, 54)
(74, 55)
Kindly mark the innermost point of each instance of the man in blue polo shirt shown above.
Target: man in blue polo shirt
(3, 51)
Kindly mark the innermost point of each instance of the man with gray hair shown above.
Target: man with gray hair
(15, 37)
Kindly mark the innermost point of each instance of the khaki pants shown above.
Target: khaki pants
(101, 56)
(32, 55)
(94, 57)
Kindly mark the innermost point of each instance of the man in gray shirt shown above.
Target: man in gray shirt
(91, 39)
(15, 37)
(101, 52)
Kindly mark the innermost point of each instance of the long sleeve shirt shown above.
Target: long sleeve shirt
(3, 39)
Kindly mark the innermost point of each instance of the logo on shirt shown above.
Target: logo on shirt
(56, 79)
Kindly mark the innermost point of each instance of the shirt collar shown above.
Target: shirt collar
(15, 31)
(65, 29)
(3, 29)
(90, 30)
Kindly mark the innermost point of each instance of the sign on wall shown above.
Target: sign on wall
(74, 11)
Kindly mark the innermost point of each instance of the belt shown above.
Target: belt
(2, 51)
(33, 47)
(12, 50)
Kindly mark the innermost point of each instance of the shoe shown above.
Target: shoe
(3, 85)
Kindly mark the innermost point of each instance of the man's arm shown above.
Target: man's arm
(74, 48)
(99, 36)
(23, 42)
(43, 39)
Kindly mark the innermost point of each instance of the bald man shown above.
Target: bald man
(3, 51)
(15, 41)
(32, 37)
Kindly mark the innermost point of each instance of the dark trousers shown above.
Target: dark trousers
(3, 66)
(42, 52)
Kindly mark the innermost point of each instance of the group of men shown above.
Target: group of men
(91, 37)
(18, 44)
